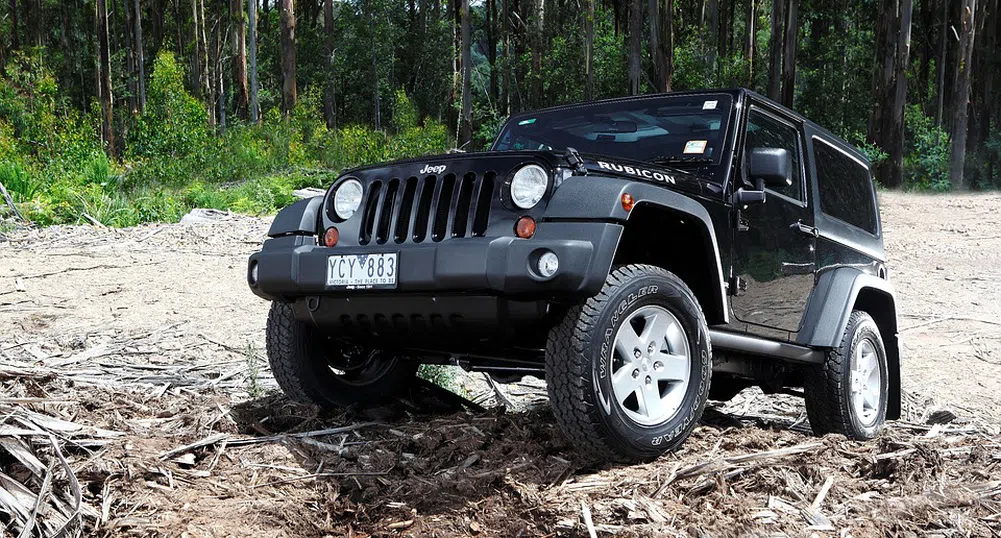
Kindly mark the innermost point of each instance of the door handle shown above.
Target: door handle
(789, 269)
(805, 228)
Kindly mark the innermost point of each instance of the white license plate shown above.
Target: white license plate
(363, 271)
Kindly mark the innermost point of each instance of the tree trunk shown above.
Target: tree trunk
(656, 51)
(505, 99)
(466, 135)
(219, 88)
(252, 29)
(775, 51)
(749, 28)
(241, 98)
(104, 77)
(713, 32)
(370, 16)
(452, 16)
(894, 133)
(329, 97)
(139, 58)
(668, 23)
(288, 56)
(940, 63)
(635, 28)
(589, 51)
(491, 27)
(196, 65)
(209, 85)
(789, 54)
(130, 61)
(15, 42)
(961, 95)
(266, 19)
(538, 49)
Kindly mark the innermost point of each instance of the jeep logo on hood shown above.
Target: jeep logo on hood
(429, 169)
(639, 172)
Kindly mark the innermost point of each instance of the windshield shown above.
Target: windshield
(671, 129)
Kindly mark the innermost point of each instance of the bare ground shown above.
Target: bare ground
(125, 345)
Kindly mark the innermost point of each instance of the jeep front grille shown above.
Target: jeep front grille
(417, 209)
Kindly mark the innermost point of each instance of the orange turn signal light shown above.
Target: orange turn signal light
(331, 236)
(525, 228)
(628, 201)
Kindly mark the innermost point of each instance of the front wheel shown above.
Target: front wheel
(848, 393)
(314, 367)
(628, 371)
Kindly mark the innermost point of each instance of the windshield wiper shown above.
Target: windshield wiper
(675, 159)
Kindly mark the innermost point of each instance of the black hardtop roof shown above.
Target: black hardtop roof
(737, 93)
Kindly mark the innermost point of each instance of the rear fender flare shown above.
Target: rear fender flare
(840, 291)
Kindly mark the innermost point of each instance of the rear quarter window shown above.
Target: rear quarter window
(845, 187)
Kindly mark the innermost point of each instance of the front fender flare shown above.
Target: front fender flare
(299, 218)
(601, 198)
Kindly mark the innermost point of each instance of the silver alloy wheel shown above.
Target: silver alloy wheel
(866, 383)
(651, 365)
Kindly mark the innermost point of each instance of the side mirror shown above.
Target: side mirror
(770, 167)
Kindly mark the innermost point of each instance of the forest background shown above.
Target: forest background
(127, 111)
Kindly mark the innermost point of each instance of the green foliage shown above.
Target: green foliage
(52, 162)
(926, 159)
(404, 112)
(441, 375)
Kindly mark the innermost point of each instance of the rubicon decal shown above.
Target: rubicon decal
(429, 169)
(638, 172)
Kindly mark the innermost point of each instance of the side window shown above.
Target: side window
(766, 131)
(845, 187)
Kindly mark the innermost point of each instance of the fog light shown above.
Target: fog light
(331, 236)
(549, 263)
(254, 274)
(525, 227)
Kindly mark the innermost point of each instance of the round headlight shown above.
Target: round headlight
(529, 185)
(347, 198)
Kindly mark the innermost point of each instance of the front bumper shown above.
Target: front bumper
(294, 266)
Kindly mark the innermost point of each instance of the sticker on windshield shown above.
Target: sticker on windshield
(709, 105)
(526, 122)
(696, 146)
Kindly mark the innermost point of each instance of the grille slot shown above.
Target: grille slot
(411, 209)
(462, 210)
(483, 200)
(387, 207)
(424, 209)
(443, 208)
(371, 208)
(406, 209)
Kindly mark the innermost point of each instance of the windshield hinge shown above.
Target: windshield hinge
(575, 162)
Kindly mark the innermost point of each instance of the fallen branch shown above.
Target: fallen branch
(10, 203)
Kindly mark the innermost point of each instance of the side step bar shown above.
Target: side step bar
(768, 348)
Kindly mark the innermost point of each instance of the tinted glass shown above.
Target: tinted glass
(764, 131)
(671, 130)
(845, 187)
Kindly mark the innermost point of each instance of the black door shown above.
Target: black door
(774, 246)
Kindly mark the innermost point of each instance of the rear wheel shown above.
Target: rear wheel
(314, 367)
(848, 393)
(628, 371)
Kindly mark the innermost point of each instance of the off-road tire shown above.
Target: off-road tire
(580, 344)
(296, 353)
(827, 386)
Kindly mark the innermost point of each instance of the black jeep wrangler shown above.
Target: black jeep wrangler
(627, 250)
